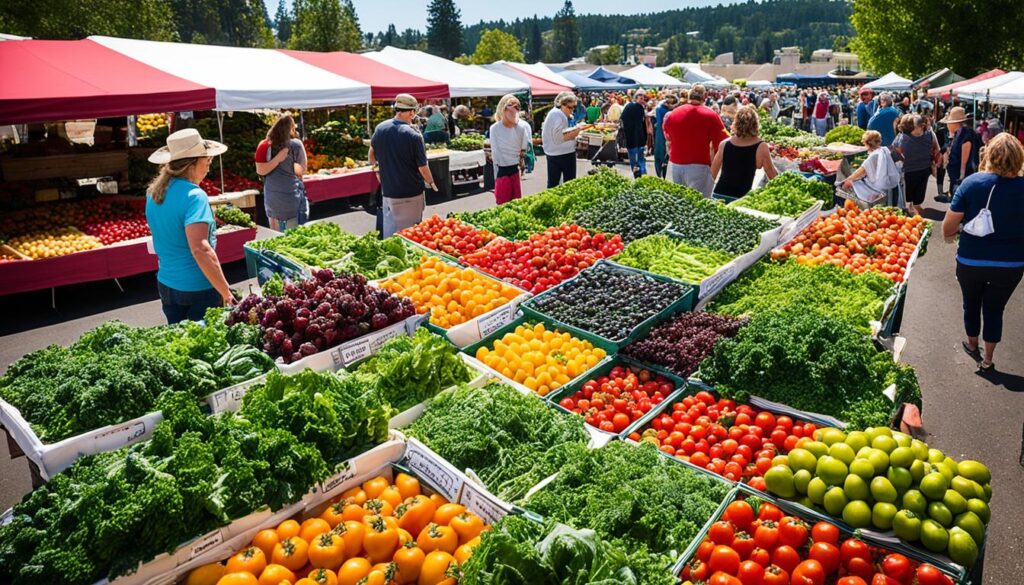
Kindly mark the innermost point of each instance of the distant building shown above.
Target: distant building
(787, 57)
(725, 59)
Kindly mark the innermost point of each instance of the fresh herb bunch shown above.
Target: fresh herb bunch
(811, 361)
(326, 245)
(517, 551)
(633, 496)
(232, 215)
(584, 301)
(510, 440)
(768, 286)
(115, 372)
(787, 194)
(467, 142)
(409, 370)
(848, 134)
(682, 343)
(669, 256)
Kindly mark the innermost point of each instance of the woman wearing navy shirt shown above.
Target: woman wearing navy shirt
(989, 268)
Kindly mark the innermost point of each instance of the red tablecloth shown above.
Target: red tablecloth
(102, 263)
(346, 185)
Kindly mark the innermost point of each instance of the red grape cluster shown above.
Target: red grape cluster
(682, 343)
(320, 313)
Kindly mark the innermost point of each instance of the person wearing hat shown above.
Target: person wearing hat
(281, 161)
(189, 277)
(399, 158)
(693, 133)
(962, 154)
(866, 108)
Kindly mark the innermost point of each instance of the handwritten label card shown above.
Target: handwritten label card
(436, 471)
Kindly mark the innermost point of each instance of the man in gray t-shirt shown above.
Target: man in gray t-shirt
(282, 170)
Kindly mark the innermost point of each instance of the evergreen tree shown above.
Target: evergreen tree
(325, 25)
(566, 38)
(59, 19)
(283, 23)
(444, 29)
(534, 42)
(390, 37)
(351, 34)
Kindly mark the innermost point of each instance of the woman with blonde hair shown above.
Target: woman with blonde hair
(189, 277)
(988, 211)
(509, 138)
(740, 155)
(281, 161)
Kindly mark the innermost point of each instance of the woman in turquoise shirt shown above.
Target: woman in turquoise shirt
(189, 277)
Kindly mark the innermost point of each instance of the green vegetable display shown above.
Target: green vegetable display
(668, 256)
(633, 496)
(811, 361)
(232, 215)
(340, 139)
(788, 194)
(510, 440)
(326, 245)
(116, 372)
(409, 370)
(768, 285)
(517, 551)
(849, 134)
(467, 142)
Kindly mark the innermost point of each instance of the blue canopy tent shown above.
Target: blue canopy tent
(815, 80)
(605, 76)
(584, 83)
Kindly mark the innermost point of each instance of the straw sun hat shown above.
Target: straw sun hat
(186, 143)
(956, 115)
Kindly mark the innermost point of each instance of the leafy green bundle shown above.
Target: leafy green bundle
(633, 496)
(510, 440)
(467, 142)
(116, 372)
(849, 134)
(767, 286)
(810, 360)
(326, 245)
(409, 370)
(517, 551)
(668, 256)
(787, 194)
(232, 215)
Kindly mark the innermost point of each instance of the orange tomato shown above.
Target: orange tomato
(274, 574)
(291, 553)
(250, 560)
(241, 578)
(438, 537)
(409, 561)
(468, 526)
(356, 494)
(288, 529)
(407, 485)
(375, 486)
(354, 512)
(265, 540)
(392, 496)
(380, 540)
(327, 551)
(323, 577)
(446, 512)
(205, 575)
(415, 513)
(305, 581)
(378, 507)
(333, 514)
(312, 528)
(405, 536)
(352, 533)
(463, 553)
(435, 569)
(438, 500)
(353, 570)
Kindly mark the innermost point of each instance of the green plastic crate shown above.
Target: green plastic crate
(683, 303)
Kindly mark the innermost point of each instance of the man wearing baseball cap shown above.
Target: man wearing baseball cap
(399, 158)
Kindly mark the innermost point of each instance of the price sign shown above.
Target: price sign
(488, 324)
(227, 399)
(439, 473)
(714, 283)
(381, 337)
(123, 434)
(483, 503)
(205, 544)
(351, 352)
(347, 472)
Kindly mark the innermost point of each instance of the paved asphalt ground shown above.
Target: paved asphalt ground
(965, 415)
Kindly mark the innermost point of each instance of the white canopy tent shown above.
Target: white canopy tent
(245, 79)
(1009, 94)
(982, 89)
(648, 77)
(541, 70)
(890, 81)
(692, 73)
(759, 83)
(462, 80)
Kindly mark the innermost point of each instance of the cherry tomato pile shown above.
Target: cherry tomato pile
(613, 402)
(233, 183)
(545, 259)
(737, 442)
(448, 235)
(858, 240)
(117, 230)
(767, 547)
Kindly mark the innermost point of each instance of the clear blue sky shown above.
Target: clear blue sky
(375, 15)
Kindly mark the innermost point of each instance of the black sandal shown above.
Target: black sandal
(974, 353)
(989, 369)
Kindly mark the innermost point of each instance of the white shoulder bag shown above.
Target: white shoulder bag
(981, 225)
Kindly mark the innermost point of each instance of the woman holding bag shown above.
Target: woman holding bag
(990, 255)
(281, 161)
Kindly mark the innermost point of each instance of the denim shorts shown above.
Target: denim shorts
(179, 305)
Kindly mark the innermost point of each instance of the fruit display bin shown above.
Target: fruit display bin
(682, 303)
(880, 547)
(603, 369)
(488, 342)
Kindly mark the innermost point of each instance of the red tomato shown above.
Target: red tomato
(760, 556)
(721, 532)
(767, 534)
(704, 550)
(724, 558)
(827, 554)
(854, 548)
(723, 578)
(765, 420)
(750, 573)
(769, 511)
(743, 544)
(929, 575)
(862, 568)
(898, 567)
(776, 575)
(851, 580)
(786, 557)
(809, 572)
(825, 532)
(882, 579)
(793, 531)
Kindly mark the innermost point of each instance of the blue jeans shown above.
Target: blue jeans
(179, 305)
(637, 160)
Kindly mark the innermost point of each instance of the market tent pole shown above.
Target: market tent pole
(220, 157)
(368, 131)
